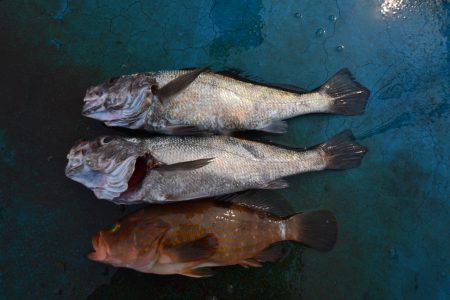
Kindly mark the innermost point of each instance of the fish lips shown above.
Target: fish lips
(100, 252)
(92, 104)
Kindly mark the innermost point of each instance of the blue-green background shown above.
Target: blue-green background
(393, 211)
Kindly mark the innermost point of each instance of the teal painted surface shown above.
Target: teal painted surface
(393, 210)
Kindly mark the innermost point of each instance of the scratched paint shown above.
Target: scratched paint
(393, 210)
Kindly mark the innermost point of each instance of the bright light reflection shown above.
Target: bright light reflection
(391, 6)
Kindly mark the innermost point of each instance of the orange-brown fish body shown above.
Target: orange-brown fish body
(183, 238)
(241, 232)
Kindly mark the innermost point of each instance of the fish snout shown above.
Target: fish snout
(91, 106)
(100, 252)
(70, 171)
(93, 100)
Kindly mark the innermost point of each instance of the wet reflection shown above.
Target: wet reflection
(391, 7)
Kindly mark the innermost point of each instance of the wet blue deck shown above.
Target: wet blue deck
(393, 210)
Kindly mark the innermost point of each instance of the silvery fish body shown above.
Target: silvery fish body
(182, 102)
(165, 169)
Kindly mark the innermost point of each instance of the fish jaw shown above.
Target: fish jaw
(100, 252)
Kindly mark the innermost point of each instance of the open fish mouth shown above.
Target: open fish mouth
(100, 252)
(116, 180)
(92, 104)
(90, 108)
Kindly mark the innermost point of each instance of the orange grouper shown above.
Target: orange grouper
(188, 238)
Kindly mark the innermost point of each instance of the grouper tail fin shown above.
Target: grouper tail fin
(316, 229)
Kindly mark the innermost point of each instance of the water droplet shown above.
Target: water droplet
(124, 66)
(332, 18)
(393, 253)
(320, 32)
(443, 274)
(340, 48)
(298, 15)
(230, 288)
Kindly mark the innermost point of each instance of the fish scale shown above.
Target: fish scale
(230, 225)
(233, 167)
(219, 95)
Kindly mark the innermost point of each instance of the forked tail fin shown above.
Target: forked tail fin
(348, 96)
(316, 229)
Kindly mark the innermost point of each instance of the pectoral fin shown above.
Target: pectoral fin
(197, 250)
(182, 130)
(177, 85)
(184, 166)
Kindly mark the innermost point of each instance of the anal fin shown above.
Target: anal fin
(276, 127)
(198, 273)
(274, 252)
(276, 184)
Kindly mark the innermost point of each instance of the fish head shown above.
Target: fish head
(113, 247)
(129, 243)
(120, 101)
(107, 164)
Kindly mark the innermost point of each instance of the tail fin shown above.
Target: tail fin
(342, 152)
(349, 97)
(316, 229)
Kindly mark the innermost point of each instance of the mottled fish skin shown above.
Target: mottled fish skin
(215, 103)
(240, 232)
(237, 165)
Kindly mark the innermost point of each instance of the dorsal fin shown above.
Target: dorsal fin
(263, 138)
(245, 77)
(262, 200)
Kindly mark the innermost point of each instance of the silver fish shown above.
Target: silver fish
(185, 102)
(165, 168)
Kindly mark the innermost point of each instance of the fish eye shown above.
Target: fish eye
(113, 80)
(115, 228)
(154, 88)
(106, 140)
